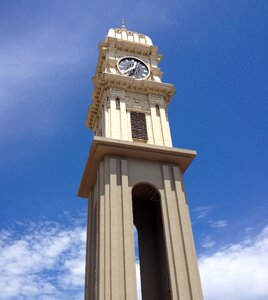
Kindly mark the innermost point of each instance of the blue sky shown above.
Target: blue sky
(214, 54)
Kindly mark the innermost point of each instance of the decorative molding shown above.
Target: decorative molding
(137, 102)
(106, 102)
(114, 92)
(107, 81)
(157, 100)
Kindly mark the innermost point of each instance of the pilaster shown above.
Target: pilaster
(123, 118)
(114, 120)
(106, 121)
(176, 257)
(128, 236)
(114, 211)
(187, 236)
(111, 257)
(157, 134)
(165, 127)
(107, 225)
(101, 270)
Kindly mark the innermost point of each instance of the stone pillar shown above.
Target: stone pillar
(183, 268)
(156, 133)
(165, 128)
(113, 119)
(149, 128)
(111, 269)
(124, 121)
(106, 119)
(128, 236)
(175, 251)
(187, 236)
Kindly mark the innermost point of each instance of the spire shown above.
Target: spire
(123, 23)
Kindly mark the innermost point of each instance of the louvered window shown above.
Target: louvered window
(138, 126)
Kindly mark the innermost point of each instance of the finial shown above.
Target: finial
(123, 23)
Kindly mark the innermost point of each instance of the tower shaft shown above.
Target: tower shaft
(134, 179)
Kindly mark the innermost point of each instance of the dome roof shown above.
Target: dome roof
(130, 36)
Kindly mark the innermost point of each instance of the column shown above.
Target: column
(176, 255)
(107, 129)
(128, 236)
(123, 116)
(165, 128)
(157, 135)
(114, 210)
(107, 233)
(101, 268)
(149, 128)
(187, 236)
(113, 119)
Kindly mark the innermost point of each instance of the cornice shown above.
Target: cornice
(131, 47)
(102, 147)
(104, 81)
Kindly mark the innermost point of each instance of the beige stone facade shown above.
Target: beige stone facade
(139, 182)
(113, 120)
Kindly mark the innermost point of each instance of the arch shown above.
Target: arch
(147, 217)
(149, 189)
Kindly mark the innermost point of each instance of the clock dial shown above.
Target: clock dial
(133, 67)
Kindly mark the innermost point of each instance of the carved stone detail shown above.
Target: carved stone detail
(106, 102)
(113, 93)
(137, 102)
(157, 100)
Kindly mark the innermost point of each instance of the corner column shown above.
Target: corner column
(165, 128)
(187, 236)
(128, 236)
(111, 272)
(175, 250)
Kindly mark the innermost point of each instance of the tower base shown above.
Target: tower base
(133, 183)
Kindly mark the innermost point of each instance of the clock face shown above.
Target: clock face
(133, 67)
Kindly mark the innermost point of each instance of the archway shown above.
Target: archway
(147, 217)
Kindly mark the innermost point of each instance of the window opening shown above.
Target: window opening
(117, 103)
(157, 110)
(138, 126)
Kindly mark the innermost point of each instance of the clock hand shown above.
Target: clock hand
(131, 68)
(127, 70)
(136, 69)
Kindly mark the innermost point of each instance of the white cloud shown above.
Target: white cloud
(238, 271)
(218, 224)
(44, 261)
(207, 242)
(203, 211)
(138, 278)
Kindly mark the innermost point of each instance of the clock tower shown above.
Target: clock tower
(134, 177)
